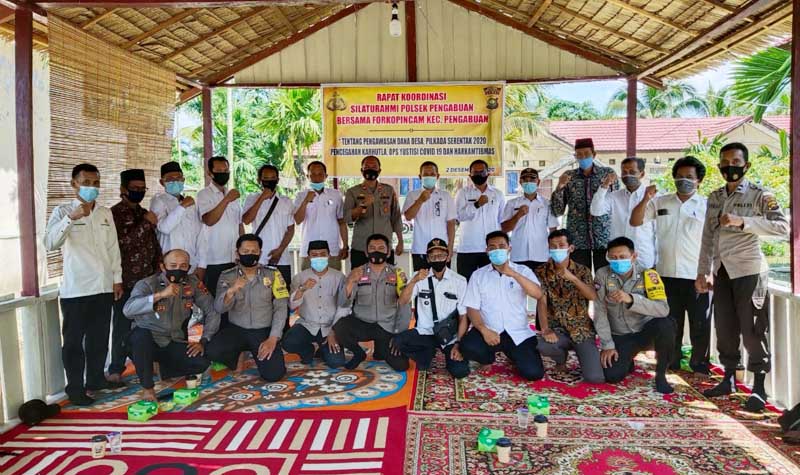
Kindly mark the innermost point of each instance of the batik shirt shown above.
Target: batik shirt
(588, 232)
(567, 309)
(138, 243)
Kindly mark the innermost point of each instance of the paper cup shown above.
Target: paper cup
(99, 446)
(504, 450)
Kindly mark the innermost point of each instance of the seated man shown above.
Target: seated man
(630, 315)
(438, 294)
(315, 294)
(160, 307)
(564, 311)
(496, 305)
(256, 300)
(371, 291)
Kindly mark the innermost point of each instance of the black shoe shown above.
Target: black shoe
(106, 385)
(755, 403)
(663, 386)
(307, 361)
(702, 368)
(357, 359)
(721, 389)
(81, 400)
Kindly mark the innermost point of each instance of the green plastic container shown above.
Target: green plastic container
(185, 396)
(142, 411)
(538, 405)
(487, 439)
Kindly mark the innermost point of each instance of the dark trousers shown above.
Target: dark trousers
(735, 316)
(86, 323)
(350, 330)
(211, 278)
(684, 300)
(532, 265)
(658, 333)
(119, 337)
(299, 340)
(231, 340)
(525, 355)
(469, 262)
(587, 257)
(359, 258)
(422, 349)
(172, 359)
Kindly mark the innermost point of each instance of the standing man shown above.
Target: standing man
(630, 315)
(272, 217)
(438, 294)
(92, 281)
(160, 307)
(374, 209)
(140, 254)
(221, 213)
(320, 213)
(372, 292)
(529, 220)
(316, 293)
(738, 214)
(433, 212)
(178, 221)
(256, 300)
(479, 209)
(679, 219)
(496, 305)
(618, 205)
(564, 311)
(575, 190)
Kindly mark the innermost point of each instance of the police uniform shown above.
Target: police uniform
(382, 218)
(376, 315)
(632, 328)
(258, 311)
(741, 300)
(447, 295)
(160, 328)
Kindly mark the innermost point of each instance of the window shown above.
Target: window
(612, 161)
(512, 182)
(409, 184)
(542, 163)
(526, 163)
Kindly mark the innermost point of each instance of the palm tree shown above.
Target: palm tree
(722, 103)
(762, 79)
(676, 99)
(569, 110)
(523, 117)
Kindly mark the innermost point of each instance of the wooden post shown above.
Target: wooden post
(794, 138)
(208, 131)
(26, 200)
(411, 41)
(630, 136)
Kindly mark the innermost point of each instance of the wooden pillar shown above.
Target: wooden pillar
(794, 137)
(630, 136)
(23, 79)
(411, 41)
(208, 130)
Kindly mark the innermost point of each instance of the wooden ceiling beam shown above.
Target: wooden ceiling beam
(213, 33)
(6, 14)
(159, 26)
(539, 12)
(719, 5)
(97, 18)
(183, 3)
(285, 20)
(657, 18)
(38, 39)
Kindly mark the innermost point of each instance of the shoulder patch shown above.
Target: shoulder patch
(279, 290)
(653, 285)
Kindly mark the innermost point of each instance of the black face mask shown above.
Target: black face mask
(438, 266)
(221, 178)
(377, 258)
(176, 276)
(135, 196)
(732, 173)
(370, 174)
(479, 179)
(269, 184)
(249, 260)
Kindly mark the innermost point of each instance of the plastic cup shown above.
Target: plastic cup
(114, 442)
(522, 417)
(504, 450)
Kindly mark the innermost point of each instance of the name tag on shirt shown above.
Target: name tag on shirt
(663, 212)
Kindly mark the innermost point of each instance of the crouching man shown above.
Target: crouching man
(161, 307)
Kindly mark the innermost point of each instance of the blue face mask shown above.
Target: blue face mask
(498, 256)
(88, 193)
(319, 264)
(585, 163)
(529, 188)
(317, 186)
(559, 255)
(174, 188)
(620, 266)
(429, 182)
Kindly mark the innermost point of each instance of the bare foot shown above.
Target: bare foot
(149, 395)
(114, 378)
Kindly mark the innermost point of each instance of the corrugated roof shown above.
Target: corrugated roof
(777, 121)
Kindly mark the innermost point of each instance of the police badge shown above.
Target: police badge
(335, 103)
(493, 102)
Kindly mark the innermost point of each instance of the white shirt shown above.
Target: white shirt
(501, 301)
(178, 227)
(273, 232)
(92, 263)
(620, 204)
(449, 295)
(529, 237)
(477, 223)
(431, 219)
(679, 226)
(220, 246)
(322, 219)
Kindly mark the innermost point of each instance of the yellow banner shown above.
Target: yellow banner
(405, 125)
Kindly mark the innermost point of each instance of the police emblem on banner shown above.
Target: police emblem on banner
(493, 93)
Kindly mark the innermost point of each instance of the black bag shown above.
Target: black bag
(269, 215)
(443, 330)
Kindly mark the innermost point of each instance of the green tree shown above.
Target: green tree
(523, 117)
(722, 103)
(560, 109)
(762, 79)
(677, 99)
